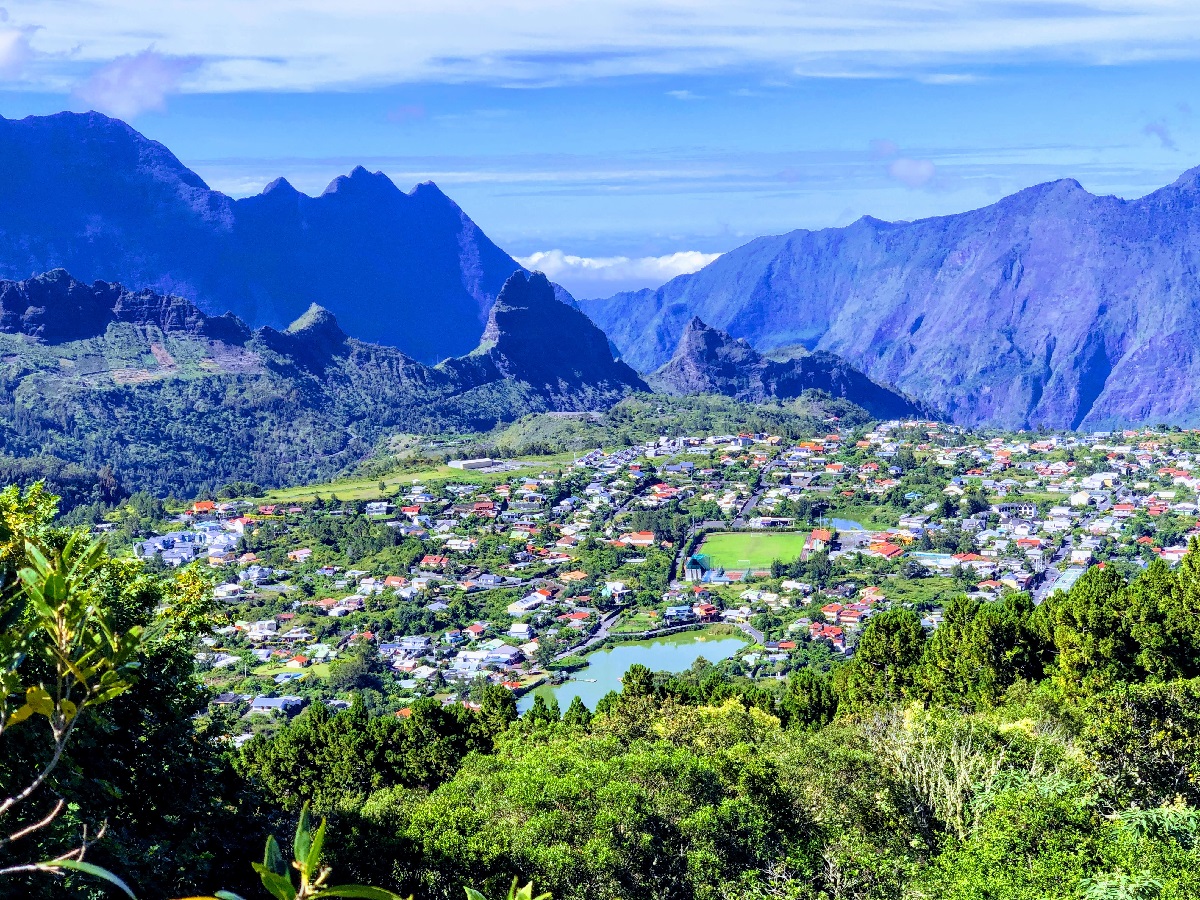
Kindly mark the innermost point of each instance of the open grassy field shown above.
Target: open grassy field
(369, 488)
(270, 670)
(756, 550)
(636, 623)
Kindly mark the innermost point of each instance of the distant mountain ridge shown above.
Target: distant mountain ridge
(709, 361)
(1050, 307)
(173, 398)
(91, 195)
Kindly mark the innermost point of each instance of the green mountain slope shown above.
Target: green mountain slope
(175, 401)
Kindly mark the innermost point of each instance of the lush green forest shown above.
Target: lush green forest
(1017, 752)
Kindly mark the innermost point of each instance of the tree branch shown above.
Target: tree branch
(30, 829)
(60, 744)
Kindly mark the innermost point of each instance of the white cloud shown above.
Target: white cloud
(131, 85)
(949, 78)
(15, 51)
(302, 45)
(912, 172)
(650, 269)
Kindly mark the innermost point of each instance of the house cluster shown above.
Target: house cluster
(1034, 510)
(573, 550)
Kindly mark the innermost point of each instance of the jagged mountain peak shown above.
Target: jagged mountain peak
(520, 291)
(428, 190)
(525, 301)
(280, 186)
(92, 194)
(316, 319)
(533, 337)
(359, 181)
(316, 338)
(697, 327)
(704, 345)
(710, 361)
(56, 308)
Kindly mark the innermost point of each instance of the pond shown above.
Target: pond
(846, 525)
(673, 653)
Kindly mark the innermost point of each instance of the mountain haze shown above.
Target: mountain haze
(1051, 307)
(91, 195)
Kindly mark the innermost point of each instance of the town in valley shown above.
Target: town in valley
(480, 571)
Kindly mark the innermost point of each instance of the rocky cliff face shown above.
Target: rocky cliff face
(89, 194)
(532, 337)
(708, 361)
(57, 309)
(96, 375)
(1052, 307)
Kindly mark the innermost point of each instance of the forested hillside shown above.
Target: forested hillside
(1018, 753)
(106, 389)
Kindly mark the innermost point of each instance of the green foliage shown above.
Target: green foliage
(979, 650)
(1165, 610)
(514, 893)
(310, 881)
(1145, 739)
(104, 715)
(326, 759)
(809, 700)
(1015, 754)
(589, 815)
(577, 714)
(884, 668)
(1089, 631)
(498, 709)
(542, 712)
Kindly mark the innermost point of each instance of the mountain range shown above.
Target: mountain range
(174, 399)
(1051, 307)
(709, 361)
(89, 194)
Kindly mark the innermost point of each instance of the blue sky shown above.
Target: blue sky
(617, 144)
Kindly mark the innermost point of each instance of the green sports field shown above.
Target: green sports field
(754, 550)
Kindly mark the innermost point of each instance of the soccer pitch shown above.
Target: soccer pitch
(752, 550)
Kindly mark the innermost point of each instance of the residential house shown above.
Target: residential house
(678, 615)
(284, 706)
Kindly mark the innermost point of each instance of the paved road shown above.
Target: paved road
(606, 624)
(747, 507)
(1046, 588)
(758, 636)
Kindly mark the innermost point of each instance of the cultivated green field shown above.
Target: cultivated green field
(743, 549)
